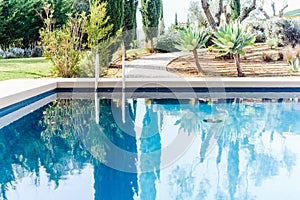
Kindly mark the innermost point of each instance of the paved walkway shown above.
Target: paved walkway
(152, 66)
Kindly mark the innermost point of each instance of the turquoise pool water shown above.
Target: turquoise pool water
(153, 149)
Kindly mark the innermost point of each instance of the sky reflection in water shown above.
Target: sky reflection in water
(208, 149)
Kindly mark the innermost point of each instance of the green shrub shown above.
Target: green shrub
(166, 43)
(273, 42)
(258, 29)
(291, 31)
(99, 38)
(287, 31)
(63, 45)
(274, 32)
(87, 64)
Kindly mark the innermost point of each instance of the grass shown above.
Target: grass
(39, 67)
(24, 68)
(136, 51)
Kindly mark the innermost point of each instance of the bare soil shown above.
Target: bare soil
(252, 63)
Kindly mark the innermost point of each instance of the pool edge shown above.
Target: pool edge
(17, 90)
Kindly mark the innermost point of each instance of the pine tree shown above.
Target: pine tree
(151, 10)
(61, 10)
(235, 6)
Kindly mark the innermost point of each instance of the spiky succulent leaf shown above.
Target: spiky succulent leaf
(192, 38)
(232, 38)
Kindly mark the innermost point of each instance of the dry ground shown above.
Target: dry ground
(252, 64)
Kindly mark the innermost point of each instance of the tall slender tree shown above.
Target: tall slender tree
(130, 8)
(150, 17)
(161, 19)
(176, 20)
(115, 11)
(61, 10)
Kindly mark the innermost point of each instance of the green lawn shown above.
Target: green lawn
(24, 68)
(136, 51)
(34, 67)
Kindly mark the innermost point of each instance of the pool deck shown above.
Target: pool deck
(17, 90)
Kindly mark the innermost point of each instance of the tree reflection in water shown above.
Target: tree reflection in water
(241, 146)
(150, 158)
(117, 178)
(29, 144)
(63, 137)
(247, 146)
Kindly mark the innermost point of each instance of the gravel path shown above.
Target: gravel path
(151, 66)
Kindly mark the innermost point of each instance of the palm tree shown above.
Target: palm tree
(190, 40)
(232, 38)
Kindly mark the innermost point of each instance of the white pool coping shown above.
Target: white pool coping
(17, 90)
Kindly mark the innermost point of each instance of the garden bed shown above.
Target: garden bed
(252, 63)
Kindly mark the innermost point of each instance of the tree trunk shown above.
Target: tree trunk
(228, 17)
(246, 11)
(273, 8)
(281, 11)
(208, 15)
(219, 13)
(264, 13)
(197, 61)
(90, 4)
(238, 66)
(151, 45)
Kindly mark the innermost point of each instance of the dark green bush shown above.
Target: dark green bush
(291, 31)
(286, 31)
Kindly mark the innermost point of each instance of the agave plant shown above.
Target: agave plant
(190, 40)
(232, 38)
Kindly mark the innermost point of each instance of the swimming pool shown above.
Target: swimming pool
(161, 148)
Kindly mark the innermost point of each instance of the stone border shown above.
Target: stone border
(14, 91)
